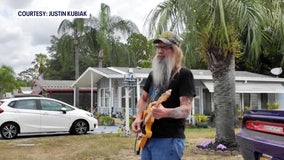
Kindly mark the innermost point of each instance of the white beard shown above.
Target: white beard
(162, 70)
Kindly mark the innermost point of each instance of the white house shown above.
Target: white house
(252, 89)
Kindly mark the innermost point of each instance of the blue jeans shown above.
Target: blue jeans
(163, 149)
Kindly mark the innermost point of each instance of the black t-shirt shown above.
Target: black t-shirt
(182, 84)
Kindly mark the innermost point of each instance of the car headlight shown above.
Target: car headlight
(89, 114)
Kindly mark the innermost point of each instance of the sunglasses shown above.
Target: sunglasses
(164, 47)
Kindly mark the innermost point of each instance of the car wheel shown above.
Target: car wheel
(9, 131)
(79, 127)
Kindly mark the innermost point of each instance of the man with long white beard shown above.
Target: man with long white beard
(167, 138)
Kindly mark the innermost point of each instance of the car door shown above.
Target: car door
(26, 114)
(53, 119)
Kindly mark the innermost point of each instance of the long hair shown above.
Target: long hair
(178, 57)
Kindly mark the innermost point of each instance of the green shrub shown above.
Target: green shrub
(105, 120)
(200, 118)
(241, 112)
(271, 106)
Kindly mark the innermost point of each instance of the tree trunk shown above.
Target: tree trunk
(224, 103)
(100, 58)
(233, 91)
(77, 68)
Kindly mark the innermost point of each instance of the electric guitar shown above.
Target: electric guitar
(148, 120)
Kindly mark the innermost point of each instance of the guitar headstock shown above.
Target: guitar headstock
(165, 96)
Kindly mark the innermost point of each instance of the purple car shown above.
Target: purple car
(262, 135)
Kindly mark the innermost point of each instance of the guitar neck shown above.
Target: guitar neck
(163, 98)
(158, 103)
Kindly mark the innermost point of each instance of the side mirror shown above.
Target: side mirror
(63, 109)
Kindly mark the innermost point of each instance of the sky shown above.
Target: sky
(24, 36)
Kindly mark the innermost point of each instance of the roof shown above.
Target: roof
(251, 87)
(118, 72)
(110, 72)
(240, 76)
(55, 84)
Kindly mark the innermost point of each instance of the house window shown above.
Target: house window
(104, 97)
(197, 106)
(264, 100)
(238, 100)
(246, 99)
(254, 100)
(132, 101)
(207, 107)
(271, 98)
(251, 100)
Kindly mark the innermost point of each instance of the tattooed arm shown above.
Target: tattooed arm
(183, 110)
(179, 112)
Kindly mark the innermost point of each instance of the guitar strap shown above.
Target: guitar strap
(154, 93)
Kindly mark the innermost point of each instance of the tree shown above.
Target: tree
(213, 28)
(62, 59)
(271, 53)
(28, 75)
(141, 50)
(37, 72)
(40, 64)
(109, 28)
(75, 29)
(8, 81)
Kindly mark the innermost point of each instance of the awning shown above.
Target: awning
(251, 87)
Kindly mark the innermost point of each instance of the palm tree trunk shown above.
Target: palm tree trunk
(1, 92)
(233, 91)
(77, 69)
(100, 58)
(224, 103)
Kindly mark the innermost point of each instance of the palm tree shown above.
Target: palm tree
(213, 28)
(62, 55)
(75, 29)
(108, 28)
(40, 64)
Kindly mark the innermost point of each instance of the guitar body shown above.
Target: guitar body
(146, 131)
(148, 120)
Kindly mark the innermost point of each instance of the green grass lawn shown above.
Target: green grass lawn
(95, 147)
